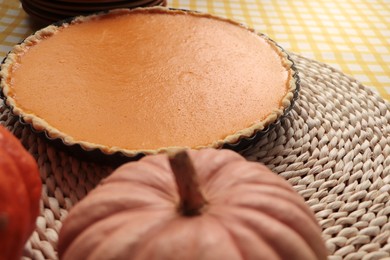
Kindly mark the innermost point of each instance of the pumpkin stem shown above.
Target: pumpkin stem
(191, 199)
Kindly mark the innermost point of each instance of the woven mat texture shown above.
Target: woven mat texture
(333, 147)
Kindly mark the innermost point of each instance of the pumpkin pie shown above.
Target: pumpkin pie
(147, 80)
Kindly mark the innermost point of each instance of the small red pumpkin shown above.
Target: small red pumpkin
(219, 207)
(20, 192)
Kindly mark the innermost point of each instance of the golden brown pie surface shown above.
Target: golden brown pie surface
(147, 79)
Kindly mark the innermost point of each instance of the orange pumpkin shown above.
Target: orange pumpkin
(222, 207)
(20, 192)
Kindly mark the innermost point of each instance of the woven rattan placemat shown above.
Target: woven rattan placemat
(333, 147)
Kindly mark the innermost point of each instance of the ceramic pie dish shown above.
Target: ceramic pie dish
(147, 80)
(46, 12)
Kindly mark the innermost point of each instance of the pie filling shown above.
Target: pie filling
(147, 79)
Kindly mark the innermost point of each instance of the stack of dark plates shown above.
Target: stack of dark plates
(49, 11)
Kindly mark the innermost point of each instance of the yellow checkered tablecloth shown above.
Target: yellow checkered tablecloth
(350, 35)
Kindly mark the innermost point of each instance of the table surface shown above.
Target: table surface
(350, 35)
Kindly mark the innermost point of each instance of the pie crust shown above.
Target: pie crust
(41, 125)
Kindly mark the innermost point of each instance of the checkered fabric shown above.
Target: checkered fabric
(350, 35)
(14, 25)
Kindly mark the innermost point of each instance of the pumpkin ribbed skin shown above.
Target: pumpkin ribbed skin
(20, 192)
(251, 213)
